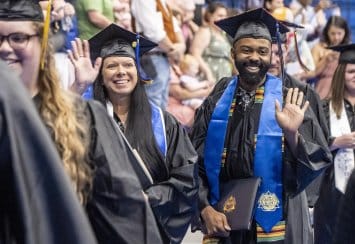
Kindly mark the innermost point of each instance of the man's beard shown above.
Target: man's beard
(251, 78)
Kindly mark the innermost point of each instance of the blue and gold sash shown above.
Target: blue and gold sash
(268, 152)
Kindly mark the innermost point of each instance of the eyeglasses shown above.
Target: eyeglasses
(17, 40)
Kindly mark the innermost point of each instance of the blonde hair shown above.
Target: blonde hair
(187, 61)
(67, 125)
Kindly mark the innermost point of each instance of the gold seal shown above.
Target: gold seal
(268, 202)
(229, 205)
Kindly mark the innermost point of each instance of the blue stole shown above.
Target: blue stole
(158, 125)
(268, 151)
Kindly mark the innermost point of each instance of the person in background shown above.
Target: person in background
(335, 32)
(187, 91)
(278, 9)
(170, 182)
(122, 12)
(245, 104)
(339, 110)
(154, 19)
(305, 14)
(64, 28)
(188, 26)
(189, 79)
(102, 176)
(211, 46)
(93, 16)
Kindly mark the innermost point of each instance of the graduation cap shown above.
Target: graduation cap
(347, 53)
(256, 23)
(18, 10)
(114, 40)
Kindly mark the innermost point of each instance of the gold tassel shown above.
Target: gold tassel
(47, 23)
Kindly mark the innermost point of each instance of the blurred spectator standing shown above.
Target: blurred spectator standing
(310, 17)
(211, 46)
(155, 20)
(122, 13)
(93, 16)
(325, 9)
(64, 29)
(186, 10)
(278, 9)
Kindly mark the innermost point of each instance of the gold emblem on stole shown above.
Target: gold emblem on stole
(229, 205)
(268, 201)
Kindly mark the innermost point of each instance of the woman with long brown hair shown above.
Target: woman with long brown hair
(167, 155)
(335, 32)
(339, 110)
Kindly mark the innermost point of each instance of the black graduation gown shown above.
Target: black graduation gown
(37, 203)
(312, 156)
(327, 206)
(345, 226)
(117, 209)
(315, 103)
(174, 193)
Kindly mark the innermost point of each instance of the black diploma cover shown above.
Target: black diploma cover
(237, 201)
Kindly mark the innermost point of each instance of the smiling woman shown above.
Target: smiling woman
(339, 112)
(159, 139)
(119, 76)
(18, 40)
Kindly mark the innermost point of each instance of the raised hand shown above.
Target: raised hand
(290, 117)
(85, 72)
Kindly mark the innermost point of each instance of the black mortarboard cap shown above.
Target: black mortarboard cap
(19, 10)
(114, 40)
(347, 53)
(256, 23)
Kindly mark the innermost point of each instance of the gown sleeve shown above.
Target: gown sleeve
(345, 227)
(174, 201)
(313, 155)
(118, 209)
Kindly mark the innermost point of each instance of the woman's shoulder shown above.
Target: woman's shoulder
(320, 47)
(204, 31)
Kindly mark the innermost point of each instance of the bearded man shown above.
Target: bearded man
(253, 125)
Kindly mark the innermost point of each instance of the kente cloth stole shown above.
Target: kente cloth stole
(158, 125)
(167, 16)
(268, 152)
(344, 159)
(275, 236)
